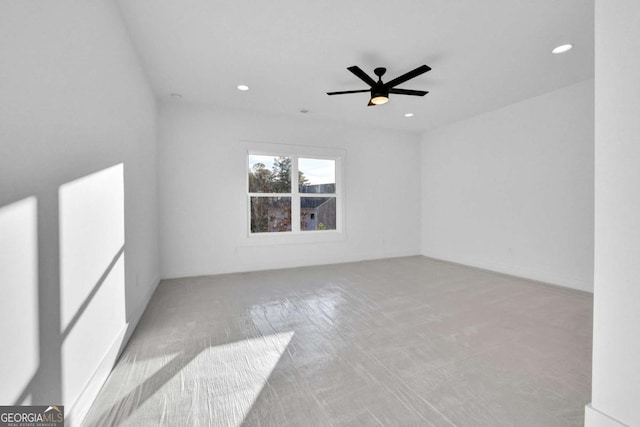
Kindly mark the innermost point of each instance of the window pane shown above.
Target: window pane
(317, 213)
(269, 174)
(317, 175)
(270, 214)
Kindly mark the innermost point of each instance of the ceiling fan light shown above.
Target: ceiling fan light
(379, 95)
(379, 99)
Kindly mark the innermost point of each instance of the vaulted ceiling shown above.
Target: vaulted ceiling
(484, 54)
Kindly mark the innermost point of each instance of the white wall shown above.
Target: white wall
(202, 177)
(512, 190)
(616, 329)
(78, 199)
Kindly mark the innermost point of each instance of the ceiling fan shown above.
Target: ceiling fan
(379, 90)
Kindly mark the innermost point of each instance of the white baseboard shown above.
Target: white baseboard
(509, 270)
(595, 418)
(74, 416)
(257, 265)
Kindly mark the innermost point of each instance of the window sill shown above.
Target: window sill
(302, 237)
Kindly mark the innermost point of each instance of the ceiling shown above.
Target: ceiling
(483, 54)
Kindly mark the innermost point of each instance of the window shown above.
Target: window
(293, 194)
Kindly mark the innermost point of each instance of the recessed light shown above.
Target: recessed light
(562, 48)
(408, 115)
(243, 88)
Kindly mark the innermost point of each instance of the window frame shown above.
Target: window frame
(296, 233)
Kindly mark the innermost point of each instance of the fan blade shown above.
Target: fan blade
(371, 104)
(407, 76)
(408, 92)
(362, 75)
(348, 91)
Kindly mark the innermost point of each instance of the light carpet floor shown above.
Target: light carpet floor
(396, 342)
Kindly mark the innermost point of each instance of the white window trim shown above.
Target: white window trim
(296, 235)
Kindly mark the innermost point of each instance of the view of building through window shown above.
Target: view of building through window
(288, 193)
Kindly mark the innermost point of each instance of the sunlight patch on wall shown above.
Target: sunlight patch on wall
(19, 303)
(92, 275)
